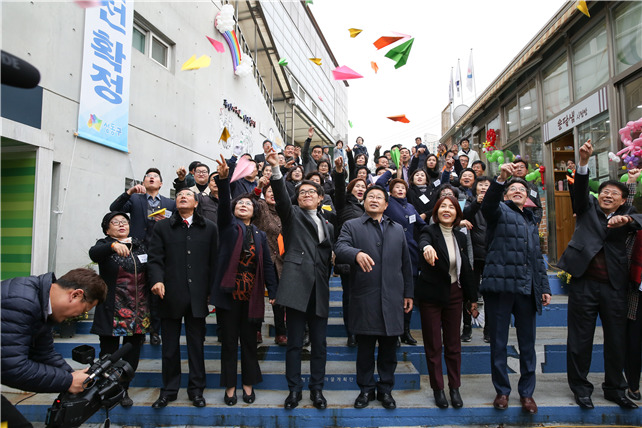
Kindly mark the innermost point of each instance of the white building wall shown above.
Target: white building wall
(175, 116)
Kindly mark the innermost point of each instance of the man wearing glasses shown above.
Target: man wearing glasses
(597, 260)
(379, 295)
(304, 285)
(141, 201)
(514, 282)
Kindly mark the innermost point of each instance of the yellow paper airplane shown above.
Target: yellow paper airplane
(195, 64)
(354, 32)
(582, 7)
(160, 212)
(317, 61)
(225, 134)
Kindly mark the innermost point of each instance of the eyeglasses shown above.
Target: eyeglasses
(607, 192)
(152, 175)
(310, 192)
(375, 198)
(119, 222)
(517, 189)
(201, 172)
(447, 194)
(246, 203)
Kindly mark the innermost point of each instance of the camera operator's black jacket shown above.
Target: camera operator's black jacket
(29, 360)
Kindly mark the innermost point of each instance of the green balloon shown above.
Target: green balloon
(624, 178)
(500, 159)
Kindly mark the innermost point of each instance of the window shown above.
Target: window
(590, 61)
(633, 99)
(597, 129)
(628, 33)
(528, 106)
(150, 42)
(511, 113)
(556, 93)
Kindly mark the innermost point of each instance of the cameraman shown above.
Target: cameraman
(30, 306)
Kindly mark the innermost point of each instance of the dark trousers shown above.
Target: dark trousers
(634, 348)
(12, 416)
(499, 307)
(587, 299)
(279, 320)
(235, 324)
(407, 316)
(110, 344)
(345, 285)
(154, 314)
(195, 335)
(296, 321)
(386, 363)
(478, 269)
(436, 319)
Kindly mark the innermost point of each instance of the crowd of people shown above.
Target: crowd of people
(433, 232)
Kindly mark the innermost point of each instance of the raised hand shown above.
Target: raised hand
(223, 169)
(585, 152)
(338, 164)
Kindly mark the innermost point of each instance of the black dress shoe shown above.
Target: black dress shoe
(126, 401)
(352, 341)
(440, 398)
(249, 399)
(407, 338)
(154, 339)
(455, 398)
(633, 395)
(292, 400)
(198, 401)
(621, 401)
(363, 399)
(318, 400)
(584, 402)
(230, 401)
(162, 401)
(386, 400)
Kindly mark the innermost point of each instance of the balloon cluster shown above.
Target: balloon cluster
(489, 144)
(495, 156)
(631, 154)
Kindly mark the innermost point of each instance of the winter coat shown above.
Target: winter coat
(306, 262)
(269, 222)
(473, 214)
(125, 312)
(376, 297)
(433, 284)
(348, 208)
(208, 205)
(140, 226)
(184, 260)
(29, 360)
(514, 263)
(403, 213)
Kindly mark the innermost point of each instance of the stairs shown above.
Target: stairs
(412, 391)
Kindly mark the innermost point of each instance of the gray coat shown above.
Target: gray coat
(376, 297)
(306, 262)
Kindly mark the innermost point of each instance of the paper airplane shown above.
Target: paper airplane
(529, 203)
(582, 7)
(354, 32)
(88, 3)
(374, 66)
(345, 73)
(217, 45)
(320, 98)
(283, 62)
(317, 61)
(225, 134)
(195, 64)
(350, 123)
(399, 118)
(382, 42)
(403, 36)
(400, 53)
(244, 167)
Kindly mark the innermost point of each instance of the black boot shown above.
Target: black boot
(407, 338)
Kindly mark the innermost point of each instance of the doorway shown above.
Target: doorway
(563, 150)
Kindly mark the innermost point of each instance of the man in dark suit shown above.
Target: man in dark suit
(597, 260)
(140, 201)
(260, 158)
(303, 288)
(182, 259)
(381, 290)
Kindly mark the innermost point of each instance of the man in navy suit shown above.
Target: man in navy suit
(140, 201)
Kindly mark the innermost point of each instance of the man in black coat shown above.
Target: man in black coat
(378, 296)
(30, 305)
(182, 260)
(304, 284)
(597, 260)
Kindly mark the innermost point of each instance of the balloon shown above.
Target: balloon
(500, 159)
(624, 178)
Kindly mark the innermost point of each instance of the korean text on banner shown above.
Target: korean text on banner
(103, 114)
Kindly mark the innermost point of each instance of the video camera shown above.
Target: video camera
(103, 388)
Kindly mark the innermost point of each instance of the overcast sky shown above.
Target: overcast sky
(496, 30)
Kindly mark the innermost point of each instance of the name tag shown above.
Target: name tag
(142, 258)
(412, 219)
(436, 183)
(533, 194)
(424, 199)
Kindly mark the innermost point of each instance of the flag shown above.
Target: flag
(458, 79)
(451, 94)
(469, 75)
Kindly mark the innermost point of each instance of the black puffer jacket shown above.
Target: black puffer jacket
(348, 207)
(29, 360)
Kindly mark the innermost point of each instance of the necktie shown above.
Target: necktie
(186, 223)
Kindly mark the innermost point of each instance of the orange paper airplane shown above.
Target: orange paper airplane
(399, 118)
